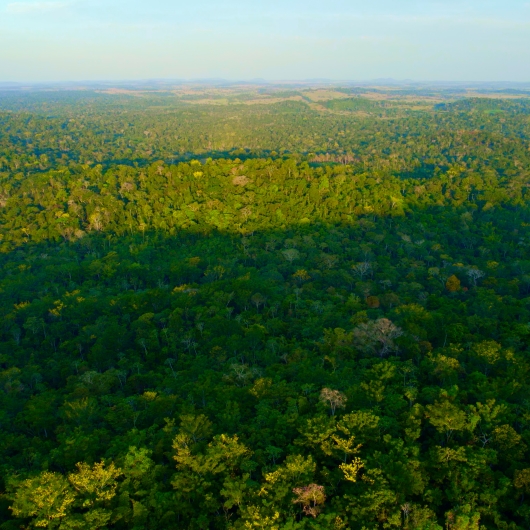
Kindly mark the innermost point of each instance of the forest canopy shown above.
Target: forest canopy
(281, 309)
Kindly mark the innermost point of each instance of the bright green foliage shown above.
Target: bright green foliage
(335, 337)
(46, 498)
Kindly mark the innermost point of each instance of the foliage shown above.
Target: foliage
(271, 341)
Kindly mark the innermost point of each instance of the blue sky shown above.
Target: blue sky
(461, 40)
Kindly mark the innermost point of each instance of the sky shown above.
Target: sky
(422, 40)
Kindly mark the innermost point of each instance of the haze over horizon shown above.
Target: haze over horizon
(167, 83)
(74, 40)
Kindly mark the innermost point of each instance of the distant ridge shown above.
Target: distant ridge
(158, 83)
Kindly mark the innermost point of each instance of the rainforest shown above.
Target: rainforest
(260, 307)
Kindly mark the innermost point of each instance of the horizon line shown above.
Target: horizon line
(261, 81)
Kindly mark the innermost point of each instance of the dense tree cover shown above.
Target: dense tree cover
(229, 195)
(386, 136)
(269, 343)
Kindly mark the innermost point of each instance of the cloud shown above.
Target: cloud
(24, 8)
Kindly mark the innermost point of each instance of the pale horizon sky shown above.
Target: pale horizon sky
(446, 40)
